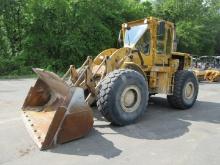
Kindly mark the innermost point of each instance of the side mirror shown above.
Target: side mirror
(161, 28)
(120, 40)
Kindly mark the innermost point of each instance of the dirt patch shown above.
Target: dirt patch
(26, 151)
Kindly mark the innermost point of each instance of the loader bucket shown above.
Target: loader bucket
(213, 76)
(55, 113)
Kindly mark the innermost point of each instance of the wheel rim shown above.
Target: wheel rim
(130, 98)
(189, 90)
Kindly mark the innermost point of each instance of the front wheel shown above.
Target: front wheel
(123, 96)
(185, 90)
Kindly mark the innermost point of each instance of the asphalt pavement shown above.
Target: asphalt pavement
(163, 136)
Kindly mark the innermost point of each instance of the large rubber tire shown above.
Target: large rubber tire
(111, 90)
(182, 80)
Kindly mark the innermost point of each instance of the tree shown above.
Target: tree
(5, 49)
(13, 18)
(197, 23)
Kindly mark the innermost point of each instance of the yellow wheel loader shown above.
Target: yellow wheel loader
(120, 81)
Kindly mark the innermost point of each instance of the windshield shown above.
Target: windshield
(133, 35)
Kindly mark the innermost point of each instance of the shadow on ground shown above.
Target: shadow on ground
(163, 122)
(93, 144)
(159, 122)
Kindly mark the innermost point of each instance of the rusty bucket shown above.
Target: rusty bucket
(54, 112)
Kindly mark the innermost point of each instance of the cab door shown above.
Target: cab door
(162, 55)
(163, 44)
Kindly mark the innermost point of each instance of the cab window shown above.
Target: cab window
(143, 44)
(160, 42)
(169, 42)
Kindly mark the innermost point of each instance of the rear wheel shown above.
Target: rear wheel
(123, 96)
(185, 90)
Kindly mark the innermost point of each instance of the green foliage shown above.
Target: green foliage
(53, 34)
(5, 49)
(197, 23)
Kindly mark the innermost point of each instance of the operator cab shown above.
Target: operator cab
(139, 35)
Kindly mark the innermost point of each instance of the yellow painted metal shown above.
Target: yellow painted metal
(205, 68)
(108, 52)
(212, 75)
(200, 74)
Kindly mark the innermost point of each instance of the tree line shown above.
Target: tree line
(53, 34)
